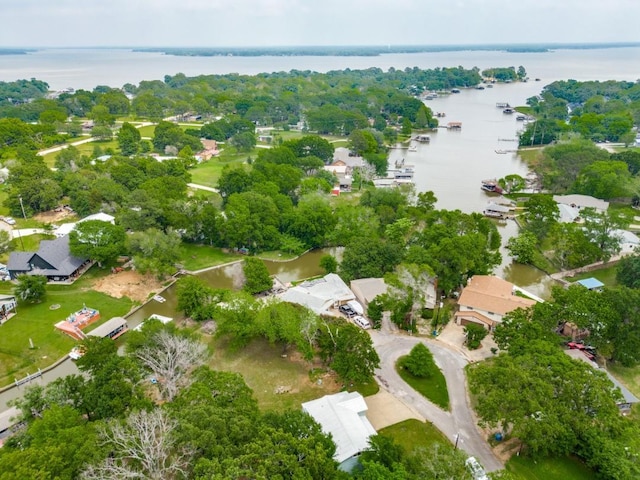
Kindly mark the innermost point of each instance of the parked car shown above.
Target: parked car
(361, 322)
(9, 220)
(476, 470)
(347, 310)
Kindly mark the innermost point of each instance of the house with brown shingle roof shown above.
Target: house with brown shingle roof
(486, 299)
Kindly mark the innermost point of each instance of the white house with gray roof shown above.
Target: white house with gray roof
(582, 201)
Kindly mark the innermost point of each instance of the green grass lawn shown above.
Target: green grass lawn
(85, 149)
(630, 377)
(196, 257)
(434, 388)
(208, 173)
(264, 370)
(414, 433)
(566, 468)
(36, 322)
(605, 275)
(147, 131)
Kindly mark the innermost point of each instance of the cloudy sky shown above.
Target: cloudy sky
(313, 22)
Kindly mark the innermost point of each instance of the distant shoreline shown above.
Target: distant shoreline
(332, 50)
(372, 51)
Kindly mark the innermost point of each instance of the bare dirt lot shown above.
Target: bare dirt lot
(128, 283)
(55, 217)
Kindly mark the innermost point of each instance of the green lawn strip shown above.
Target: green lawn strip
(36, 322)
(605, 275)
(412, 434)
(207, 173)
(434, 388)
(85, 149)
(630, 377)
(277, 255)
(564, 468)
(365, 389)
(196, 257)
(147, 131)
(264, 369)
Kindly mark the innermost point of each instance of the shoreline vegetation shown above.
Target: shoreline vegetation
(372, 50)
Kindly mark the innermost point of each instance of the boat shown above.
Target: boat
(455, 90)
(480, 87)
(521, 118)
(413, 148)
(491, 186)
(489, 85)
(503, 105)
(423, 138)
(508, 110)
(159, 298)
(441, 114)
(502, 152)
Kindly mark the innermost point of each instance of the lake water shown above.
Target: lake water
(451, 165)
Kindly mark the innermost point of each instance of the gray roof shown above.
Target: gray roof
(55, 252)
(368, 288)
(107, 327)
(582, 201)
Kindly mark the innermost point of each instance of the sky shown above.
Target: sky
(219, 23)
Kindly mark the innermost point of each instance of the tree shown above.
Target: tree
(628, 271)
(523, 247)
(244, 141)
(600, 228)
(143, 447)
(369, 257)
(329, 263)
(128, 139)
(31, 288)
(348, 350)
(154, 251)
(194, 295)
(604, 179)
(475, 334)
(102, 134)
(5, 240)
(541, 215)
(419, 362)
(256, 276)
(172, 358)
(98, 240)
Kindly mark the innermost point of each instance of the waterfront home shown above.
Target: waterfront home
(343, 416)
(591, 284)
(67, 228)
(582, 201)
(320, 295)
(486, 300)
(366, 289)
(52, 260)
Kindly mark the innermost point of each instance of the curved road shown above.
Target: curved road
(460, 423)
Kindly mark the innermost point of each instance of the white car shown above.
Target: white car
(476, 470)
(9, 220)
(361, 322)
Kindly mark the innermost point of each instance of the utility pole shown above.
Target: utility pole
(22, 207)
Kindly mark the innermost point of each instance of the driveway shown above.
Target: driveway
(460, 422)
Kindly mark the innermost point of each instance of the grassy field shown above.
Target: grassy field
(434, 388)
(85, 149)
(605, 275)
(208, 173)
(147, 131)
(196, 257)
(414, 433)
(35, 322)
(566, 468)
(630, 377)
(264, 370)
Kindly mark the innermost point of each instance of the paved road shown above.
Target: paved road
(460, 421)
(202, 187)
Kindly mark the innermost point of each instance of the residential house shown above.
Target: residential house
(8, 306)
(582, 201)
(343, 415)
(366, 289)
(486, 300)
(320, 295)
(209, 149)
(67, 228)
(344, 156)
(53, 260)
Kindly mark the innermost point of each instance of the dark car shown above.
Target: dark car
(347, 310)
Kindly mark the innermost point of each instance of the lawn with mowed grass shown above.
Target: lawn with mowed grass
(196, 257)
(85, 149)
(36, 322)
(605, 275)
(207, 173)
(414, 433)
(266, 372)
(433, 388)
(566, 468)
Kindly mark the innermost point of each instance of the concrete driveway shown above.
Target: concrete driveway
(460, 422)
